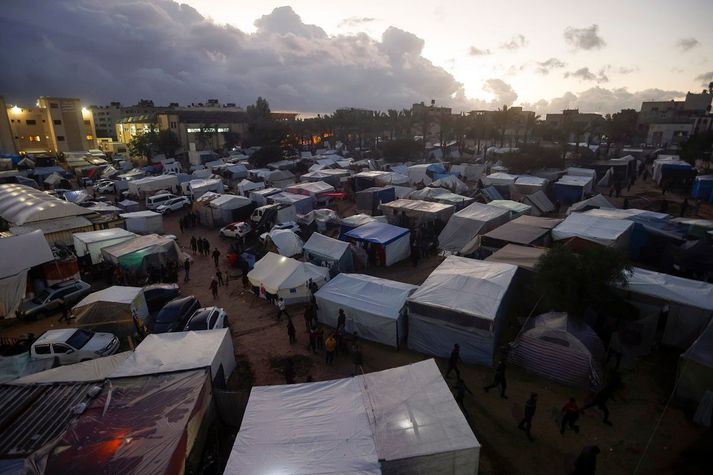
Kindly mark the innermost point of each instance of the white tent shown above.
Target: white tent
(19, 254)
(527, 184)
(286, 277)
(604, 231)
(286, 242)
(401, 420)
(312, 188)
(151, 184)
(97, 369)
(499, 179)
(440, 195)
(417, 174)
(524, 257)
(452, 183)
(181, 351)
(462, 301)
(144, 222)
(470, 222)
(20, 204)
(596, 201)
(420, 211)
(695, 368)
(391, 244)
(375, 308)
(246, 186)
(93, 242)
(328, 252)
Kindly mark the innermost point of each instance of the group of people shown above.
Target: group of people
(200, 246)
(188, 221)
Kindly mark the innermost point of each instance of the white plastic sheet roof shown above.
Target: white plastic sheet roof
(575, 180)
(277, 272)
(615, 213)
(348, 426)
(597, 201)
(116, 293)
(140, 214)
(23, 252)
(467, 285)
(357, 220)
(311, 188)
(668, 287)
(103, 235)
(326, 246)
(511, 205)
(287, 242)
(416, 205)
(452, 183)
(604, 231)
(97, 369)
(20, 204)
(499, 178)
(522, 256)
(468, 223)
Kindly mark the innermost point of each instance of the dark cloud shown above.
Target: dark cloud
(584, 38)
(685, 44)
(705, 78)
(545, 67)
(102, 50)
(473, 51)
(516, 42)
(584, 74)
(602, 100)
(355, 21)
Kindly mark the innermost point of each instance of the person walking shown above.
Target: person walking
(216, 256)
(570, 414)
(194, 245)
(65, 312)
(320, 336)
(206, 247)
(356, 360)
(214, 287)
(281, 309)
(341, 319)
(219, 276)
(312, 286)
(291, 332)
(453, 361)
(586, 463)
(186, 269)
(602, 397)
(526, 422)
(308, 317)
(200, 246)
(460, 389)
(330, 346)
(499, 380)
(684, 207)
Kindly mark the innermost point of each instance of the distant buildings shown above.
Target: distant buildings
(428, 120)
(665, 123)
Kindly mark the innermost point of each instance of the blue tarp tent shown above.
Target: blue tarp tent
(390, 243)
(703, 188)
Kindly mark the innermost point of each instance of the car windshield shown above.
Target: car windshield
(39, 298)
(80, 338)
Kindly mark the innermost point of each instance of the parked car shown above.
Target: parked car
(174, 314)
(49, 301)
(72, 345)
(105, 187)
(158, 295)
(174, 204)
(238, 229)
(207, 318)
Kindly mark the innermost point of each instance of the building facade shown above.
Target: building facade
(7, 141)
(204, 129)
(667, 123)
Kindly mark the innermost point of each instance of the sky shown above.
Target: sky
(316, 56)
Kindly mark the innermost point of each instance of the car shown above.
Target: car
(72, 345)
(207, 318)
(239, 229)
(158, 295)
(174, 314)
(48, 302)
(174, 204)
(290, 225)
(105, 187)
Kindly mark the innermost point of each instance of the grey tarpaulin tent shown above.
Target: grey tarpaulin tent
(328, 252)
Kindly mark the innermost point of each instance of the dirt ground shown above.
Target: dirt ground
(676, 447)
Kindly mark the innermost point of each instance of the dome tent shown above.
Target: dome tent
(559, 348)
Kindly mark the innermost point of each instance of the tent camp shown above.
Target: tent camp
(391, 244)
(690, 303)
(328, 252)
(375, 308)
(401, 420)
(113, 310)
(354, 221)
(603, 231)
(283, 241)
(695, 368)
(280, 178)
(596, 201)
(245, 186)
(515, 233)
(450, 183)
(303, 204)
(527, 184)
(521, 256)
(540, 203)
(462, 301)
(416, 211)
(91, 243)
(561, 349)
(142, 252)
(572, 188)
(286, 277)
(516, 209)
(468, 223)
(441, 195)
(144, 222)
(369, 199)
(19, 254)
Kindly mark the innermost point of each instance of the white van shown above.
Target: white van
(153, 202)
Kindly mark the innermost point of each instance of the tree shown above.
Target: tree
(267, 154)
(621, 127)
(573, 283)
(259, 111)
(167, 142)
(230, 140)
(402, 150)
(531, 157)
(698, 147)
(142, 145)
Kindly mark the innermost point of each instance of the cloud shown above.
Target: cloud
(354, 21)
(626, 70)
(584, 38)
(503, 92)
(516, 42)
(473, 51)
(584, 74)
(602, 100)
(705, 78)
(169, 52)
(545, 67)
(685, 44)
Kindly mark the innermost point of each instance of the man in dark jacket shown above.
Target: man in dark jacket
(526, 422)
(453, 361)
(499, 380)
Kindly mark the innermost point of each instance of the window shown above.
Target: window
(212, 319)
(90, 137)
(34, 138)
(87, 122)
(42, 349)
(60, 138)
(54, 105)
(31, 122)
(173, 125)
(80, 338)
(61, 349)
(57, 122)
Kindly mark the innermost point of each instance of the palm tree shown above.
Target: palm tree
(530, 123)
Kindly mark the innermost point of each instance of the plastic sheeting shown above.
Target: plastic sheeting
(521, 256)
(468, 223)
(132, 254)
(452, 183)
(286, 242)
(516, 209)
(596, 201)
(310, 189)
(303, 204)
(689, 292)
(695, 368)
(516, 233)
(286, 277)
(93, 242)
(246, 186)
(440, 195)
(607, 232)
(499, 179)
(112, 310)
(20, 204)
(374, 307)
(97, 369)
(144, 222)
(401, 420)
(393, 240)
(329, 252)
(540, 203)
(421, 211)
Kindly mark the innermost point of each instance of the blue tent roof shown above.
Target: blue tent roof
(379, 233)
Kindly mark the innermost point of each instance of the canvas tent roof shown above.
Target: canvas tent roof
(230, 202)
(92, 237)
(116, 294)
(517, 233)
(376, 232)
(440, 195)
(513, 206)
(596, 201)
(417, 206)
(522, 256)
(326, 246)
(393, 420)
(615, 213)
(452, 183)
(607, 232)
(537, 221)
(357, 220)
(97, 369)
(668, 287)
(277, 272)
(540, 200)
(20, 204)
(467, 223)
(140, 214)
(499, 178)
(310, 188)
(115, 252)
(23, 252)
(287, 242)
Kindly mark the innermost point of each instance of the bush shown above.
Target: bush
(402, 150)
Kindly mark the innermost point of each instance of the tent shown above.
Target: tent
(181, 351)
(416, 211)
(596, 201)
(571, 189)
(323, 218)
(328, 252)
(354, 221)
(285, 242)
(97, 369)
(144, 222)
(521, 256)
(695, 368)
(516, 209)
(515, 233)
(91, 243)
(462, 301)
(19, 255)
(246, 186)
(369, 199)
(441, 195)
(375, 308)
(20, 204)
(392, 244)
(332, 177)
(313, 189)
(538, 222)
(527, 184)
(224, 209)
(260, 196)
(468, 171)
(468, 223)
(499, 179)
(368, 179)
(423, 173)
(286, 277)
(540, 203)
(151, 184)
(142, 252)
(280, 178)
(112, 310)
(303, 204)
(129, 206)
(703, 188)
(451, 183)
(400, 420)
(604, 231)
(561, 349)
(690, 303)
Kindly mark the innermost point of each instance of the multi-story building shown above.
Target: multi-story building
(129, 127)
(666, 123)
(7, 142)
(581, 126)
(54, 125)
(204, 129)
(428, 120)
